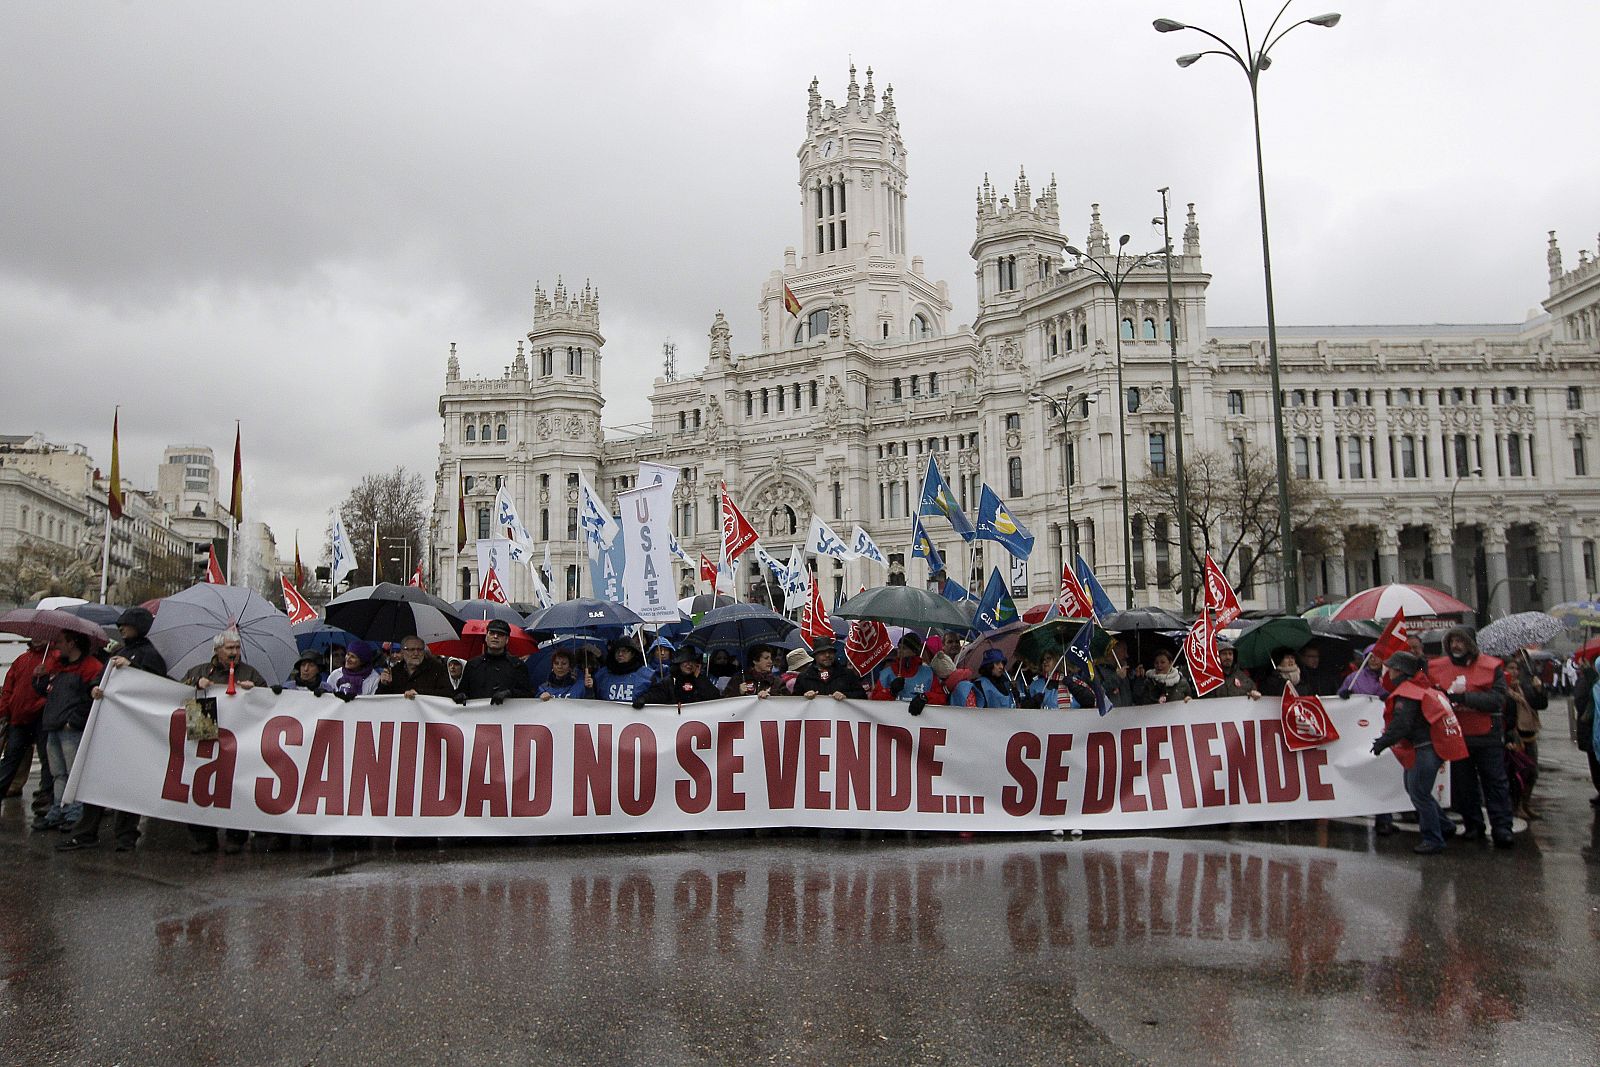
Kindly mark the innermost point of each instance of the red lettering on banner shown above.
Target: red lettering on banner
(532, 747)
(1183, 767)
(213, 780)
(817, 764)
(1019, 799)
(443, 750)
(1282, 771)
(929, 740)
(1244, 768)
(783, 761)
(405, 785)
(693, 795)
(172, 785)
(278, 731)
(486, 778)
(1100, 774)
(1315, 762)
(1056, 748)
(636, 769)
(1207, 763)
(371, 768)
(893, 768)
(591, 770)
(852, 761)
(729, 764)
(1156, 766)
(1132, 768)
(324, 781)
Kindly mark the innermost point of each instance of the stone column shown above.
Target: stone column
(1552, 588)
(1338, 576)
(1442, 547)
(1572, 573)
(1388, 555)
(1494, 555)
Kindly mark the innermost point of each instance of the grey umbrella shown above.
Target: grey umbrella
(1504, 636)
(906, 605)
(189, 622)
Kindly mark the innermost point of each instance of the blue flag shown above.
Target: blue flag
(937, 499)
(1079, 658)
(922, 546)
(996, 523)
(605, 570)
(955, 592)
(996, 608)
(1097, 594)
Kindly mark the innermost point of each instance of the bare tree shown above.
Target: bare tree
(396, 502)
(1233, 511)
(37, 569)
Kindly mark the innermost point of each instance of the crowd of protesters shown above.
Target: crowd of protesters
(50, 689)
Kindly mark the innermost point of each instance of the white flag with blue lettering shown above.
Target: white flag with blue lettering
(594, 519)
(344, 559)
(862, 546)
(822, 541)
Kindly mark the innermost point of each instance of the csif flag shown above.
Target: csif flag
(236, 497)
(213, 570)
(996, 523)
(294, 605)
(1305, 721)
(955, 592)
(996, 608)
(1220, 599)
(114, 483)
(922, 546)
(490, 588)
(814, 624)
(937, 499)
(1393, 639)
(737, 533)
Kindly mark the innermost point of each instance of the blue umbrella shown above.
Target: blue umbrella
(487, 609)
(599, 618)
(738, 626)
(315, 635)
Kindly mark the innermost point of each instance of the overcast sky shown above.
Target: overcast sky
(284, 213)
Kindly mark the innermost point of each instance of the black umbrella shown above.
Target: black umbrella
(100, 614)
(906, 605)
(1140, 620)
(738, 626)
(390, 612)
(488, 609)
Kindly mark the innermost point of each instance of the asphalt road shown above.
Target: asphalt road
(1293, 943)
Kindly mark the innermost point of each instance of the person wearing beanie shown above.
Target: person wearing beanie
(905, 676)
(1408, 733)
(825, 675)
(1476, 686)
(686, 685)
(989, 688)
(359, 676)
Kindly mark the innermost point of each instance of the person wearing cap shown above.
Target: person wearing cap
(1409, 735)
(564, 682)
(825, 674)
(685, 685)
(308, 674)
(1236, 681)
(136, 652)
(418, 672)
(495, 675)
(1476, 686)
(359, 676)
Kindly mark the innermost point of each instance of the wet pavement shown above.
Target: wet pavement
(1294, 943)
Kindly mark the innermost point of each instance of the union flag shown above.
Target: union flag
(737, 533)
(1220, 600)
(814, 624)
(294, 605)
(867, 646)
(1305, 721)
(491, 589)
(1393, 638)
(214, 570)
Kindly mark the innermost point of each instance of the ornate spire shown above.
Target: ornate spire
(888, 106)
(871, 94)
(1552, 256)
(452, 367)
(1191, 235)
(1023, 191)
(519, 366)
(852, 91)
(1098, 244)
(813, 103)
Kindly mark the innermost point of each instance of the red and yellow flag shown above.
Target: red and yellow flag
(299, 570)
(114, 486)
(236, 498)
(461, 514)
(790, 303)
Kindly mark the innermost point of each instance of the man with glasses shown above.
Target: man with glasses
(418, 672)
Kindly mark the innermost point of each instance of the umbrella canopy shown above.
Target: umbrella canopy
(600, 618)
(487, 609)
(1143, 619)
(390, 612)
(738, 626)
(105, 615)
(1386, 601)
(56, 603)
(190, 620)
(1036, 612)
(1004, 638)
(699, 605)
(1504, 636)
(1048, 638)
(1321, 611)
(1356, 631)
(1588, 650)
(470, 644)
(1254, 647)
(47, 624)
(315, 635)
(1578, 613)
(906, 605)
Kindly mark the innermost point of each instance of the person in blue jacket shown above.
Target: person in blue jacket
(905, 676)
(624, 675)
(659, 657)
(991, 688)
(563, 682)
(1044, 691)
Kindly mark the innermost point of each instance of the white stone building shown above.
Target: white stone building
(1460, 454)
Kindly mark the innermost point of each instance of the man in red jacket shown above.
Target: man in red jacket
(19, 709)
(1476, 686)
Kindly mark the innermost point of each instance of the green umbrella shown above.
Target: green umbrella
(1054, 635)
(905, 605)
(1253, 648)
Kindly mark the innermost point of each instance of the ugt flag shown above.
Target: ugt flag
(996, 523)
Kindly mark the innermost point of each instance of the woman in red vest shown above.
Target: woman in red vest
(1408, 728)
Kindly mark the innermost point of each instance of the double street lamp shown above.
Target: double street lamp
(1114, 275)
(1185, 541)
(1253, 61)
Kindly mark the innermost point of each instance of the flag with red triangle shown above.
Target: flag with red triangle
(416, 579)
(1220, 599)
(1305, 721)
(213, 569)
(491, 589)
(737, 533)
(867, 645)
(814, 624)
(294, 605)
(114, 482)
(1393, 639)
(1073, 599)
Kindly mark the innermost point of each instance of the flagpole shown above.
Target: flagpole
(105, 558)
(230, 549)
(374, 551)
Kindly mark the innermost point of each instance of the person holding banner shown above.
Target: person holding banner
(989, 688)
(624, 675)
(1164, 682)
(1236, 681)
(759, 679)
(494, 675)
(905, 677)
(686, 685)
(824, 674)
(1408, 724)
(418, 672)
(225, 667)
(563, 682)
(308, 675)
(358, 677)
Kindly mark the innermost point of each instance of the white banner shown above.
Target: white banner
(388, 766)
(495, 552)
(648, 586)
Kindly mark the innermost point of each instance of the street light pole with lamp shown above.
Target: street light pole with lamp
(1062, 406)
(1185, 541)
(1253, 62)
(1114, 277)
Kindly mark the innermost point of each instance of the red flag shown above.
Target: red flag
(708, 572)
(1073, 599)
(1220, 600)
(236, 498)
(814, 624)
(1305, 721)
(1393, 638)
(737, 533)
(213, 571)
(790, 303)
(416, 579)
(299, 571)
(867, 646)
(114, 483)
(295, 605)
(491, 589)
(1200, 652)
(461, 515)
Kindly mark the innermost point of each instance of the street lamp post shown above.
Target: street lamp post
(1253, 61)
(1062, 406)
(1113, 277)
(1475, 472)
(1185, 541)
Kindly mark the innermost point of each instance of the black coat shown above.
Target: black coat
(679, 688)
(140, 653)
(840, 679)
(67, 701)
(487, 675)
(431, 680)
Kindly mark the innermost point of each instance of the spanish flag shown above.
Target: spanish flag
(236, 498)
(461, 514)
(790, 303)
(114, 486)
(299, 570)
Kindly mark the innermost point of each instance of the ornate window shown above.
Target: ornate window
(472, 433)
(920, 328)
(1014, 477)
(500, 432)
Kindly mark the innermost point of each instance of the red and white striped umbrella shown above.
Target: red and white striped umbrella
(1385, 601)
